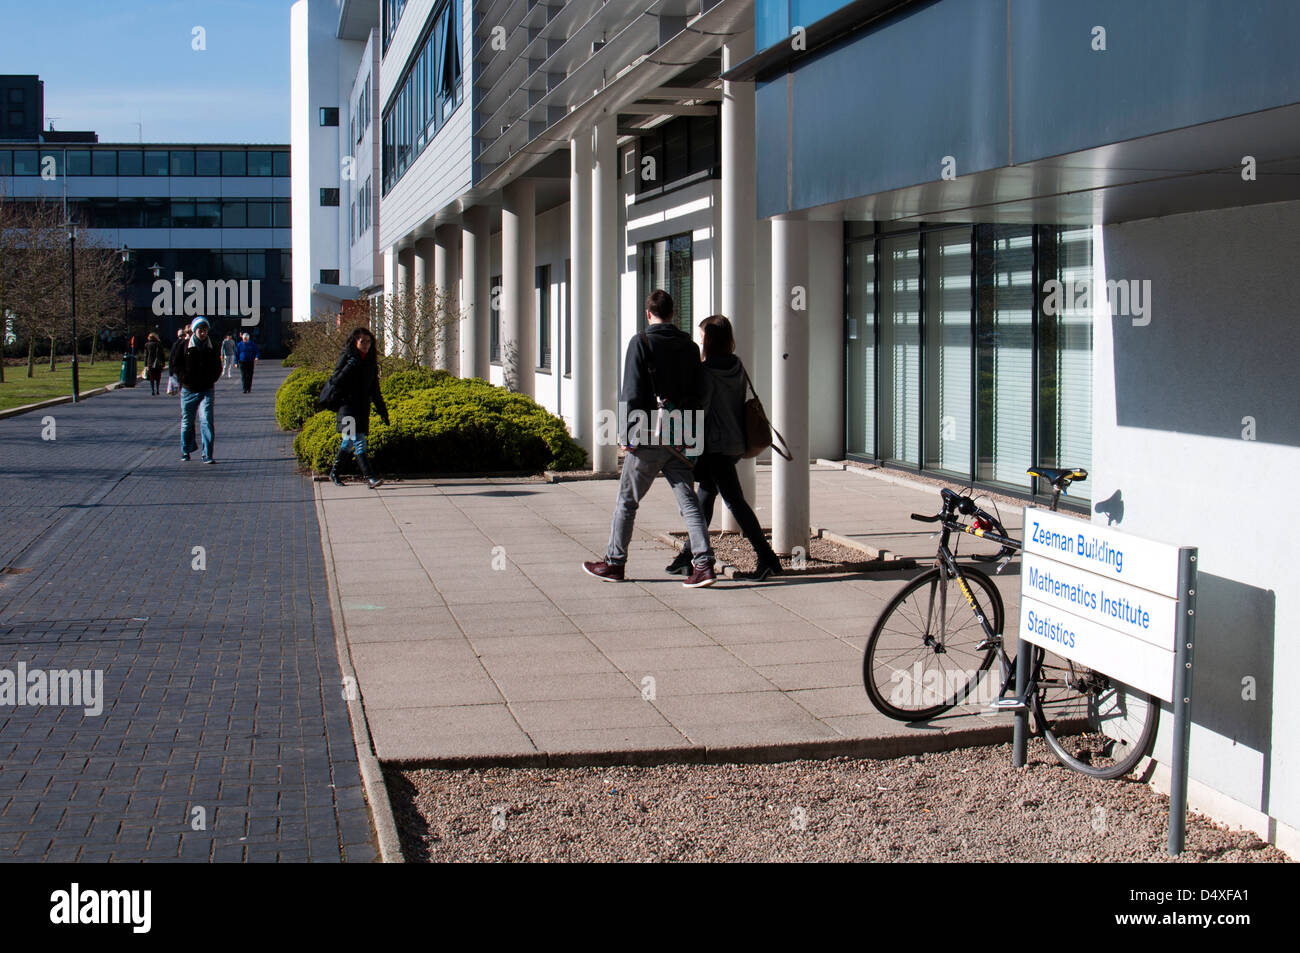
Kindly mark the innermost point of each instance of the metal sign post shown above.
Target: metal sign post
(1185, 632)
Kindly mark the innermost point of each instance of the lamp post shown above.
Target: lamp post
(125, 252)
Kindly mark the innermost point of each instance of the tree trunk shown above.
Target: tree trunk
(92, 349)
(52, 354)
(31, 355)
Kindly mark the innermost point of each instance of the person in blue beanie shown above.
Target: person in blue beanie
(198, 368)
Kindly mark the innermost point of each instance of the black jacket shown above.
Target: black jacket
(197, 368)
(678, 374)
(153, 355)
(357, 381)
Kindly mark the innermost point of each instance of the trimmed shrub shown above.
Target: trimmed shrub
(295, 401)
(403, 383)
(455, 426)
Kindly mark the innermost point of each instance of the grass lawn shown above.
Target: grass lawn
(19, 389)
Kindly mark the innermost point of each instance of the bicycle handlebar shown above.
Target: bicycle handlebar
(926, 519)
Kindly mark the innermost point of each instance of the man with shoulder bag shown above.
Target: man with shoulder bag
(662, 378)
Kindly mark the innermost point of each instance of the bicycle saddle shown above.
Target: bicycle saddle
(1058, 476)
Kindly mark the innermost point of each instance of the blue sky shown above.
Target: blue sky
(109, 64)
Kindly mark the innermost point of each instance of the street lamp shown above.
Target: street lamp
(71, 226)
(125, 252)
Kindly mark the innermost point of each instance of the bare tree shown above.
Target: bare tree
(417, 326)
(99, 291)
(37, 288)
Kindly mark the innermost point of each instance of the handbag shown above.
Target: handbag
(330, 397)
(758, 429)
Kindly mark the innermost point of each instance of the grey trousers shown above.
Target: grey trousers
(639, 471)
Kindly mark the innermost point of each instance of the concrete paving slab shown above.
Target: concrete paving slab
(588, 714)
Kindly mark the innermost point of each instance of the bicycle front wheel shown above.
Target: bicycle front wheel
(921, 658)
(1092, 723)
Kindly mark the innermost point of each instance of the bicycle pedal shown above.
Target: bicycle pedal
(985, 645)
(1008, 704)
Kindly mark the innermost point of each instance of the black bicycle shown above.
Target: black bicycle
(931, 651)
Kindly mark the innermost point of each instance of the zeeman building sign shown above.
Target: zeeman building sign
(1101, 598)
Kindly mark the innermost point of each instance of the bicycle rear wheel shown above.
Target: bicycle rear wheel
(1092, 723)
(919, 661)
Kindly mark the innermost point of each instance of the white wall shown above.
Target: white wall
(1170, 405)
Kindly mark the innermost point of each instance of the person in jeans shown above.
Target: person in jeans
(357, 377)
(663, 363)
(197, 367)
(174, 356)
(228, 355)
(246, 355)
(724, 444)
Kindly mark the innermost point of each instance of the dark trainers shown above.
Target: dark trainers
(374, 482)
(762, 572)
(699, 578)
(335, 479)
(603, 570)
(185, 457)
(681, 566)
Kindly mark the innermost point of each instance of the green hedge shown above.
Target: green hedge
(295, 401)
(456, 426)
(403, 383)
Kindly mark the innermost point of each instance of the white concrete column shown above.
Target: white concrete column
(405, 286)
(518, 343)
(738, 214)
(475, 258)
(789, 413)
(444, 279)
(584, 424)
(605, 258)
(391, 286)
(421, 279)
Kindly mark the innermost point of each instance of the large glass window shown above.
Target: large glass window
(78, 162)
(494, 319)
(6, 162)
(259, 163)
(103, 162)
(667, 264)
(207, 163)
(543, 288)
(234, 163)
(130, 162)
(953, 363)
(156, 163)
(182, 163)
(26, 162)
(681, 149)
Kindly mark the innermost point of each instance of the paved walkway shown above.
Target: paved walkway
(476, 636)
(224, 734)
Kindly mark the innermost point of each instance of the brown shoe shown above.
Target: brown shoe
(699, 578)
(603, 570)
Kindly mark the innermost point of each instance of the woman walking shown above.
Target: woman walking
(724, 444)
(356, 378)
(154, 362)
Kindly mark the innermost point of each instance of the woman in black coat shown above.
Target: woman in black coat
(356, 378)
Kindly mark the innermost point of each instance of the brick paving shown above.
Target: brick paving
(221, 685)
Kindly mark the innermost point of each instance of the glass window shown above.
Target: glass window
(78, 162)
(668, 264)
(948, 424)
(130, 162)
(25, 162)
(259, 214)
(899, 393)
(103, 162)
(257, 265)
(157, 213)
(280, 214)
(259, 163)
(1005, 368)
(286, 265)
(860, 340)
(207, 214)
(6, 162)
(704, 143)
(234, 163)
(280, 163)
(329, 276)
(234, 264)
(51, 159)
(156, 163)
(543, 289)
(677, 159)
(182, 162)
(182, 213)
(329, 197)
(329, 115)
(207, 162)
(568, 318)
(233, 213)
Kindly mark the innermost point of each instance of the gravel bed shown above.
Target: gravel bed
(824, 556)
(964, 805)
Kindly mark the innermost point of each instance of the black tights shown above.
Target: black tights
(716, 475)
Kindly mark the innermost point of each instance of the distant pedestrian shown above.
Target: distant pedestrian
(154, 361)
(662, 371)
(356, 378)
(199, 368)
(228, 355)
(173, 382)
(246, 355)
(724, 445)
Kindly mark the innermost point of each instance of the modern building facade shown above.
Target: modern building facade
(213, 212)
(958, 237)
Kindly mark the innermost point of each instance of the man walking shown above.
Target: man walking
(198, 368)
(662, 370)
(246, 355)
(228, 355)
